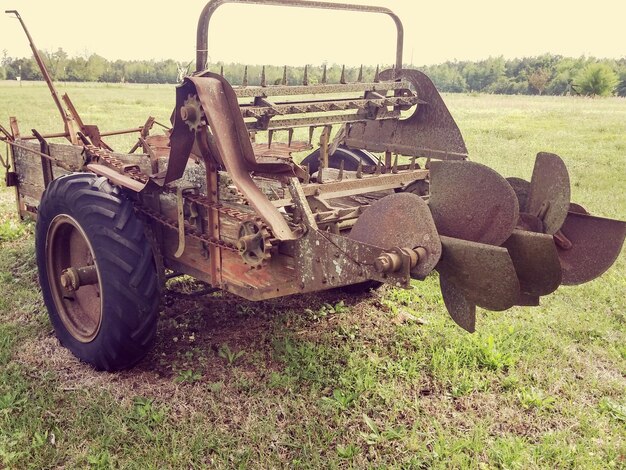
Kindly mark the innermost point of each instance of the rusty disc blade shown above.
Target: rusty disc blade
(549, 191)
(400, 220)
(484, 273)
(461, 311)
(596, 244)
(536, 262)
(472, 202)
(573, 207)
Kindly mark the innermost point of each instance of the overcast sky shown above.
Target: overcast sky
(435, 31)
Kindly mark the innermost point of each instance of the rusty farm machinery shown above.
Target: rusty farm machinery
(389, 196)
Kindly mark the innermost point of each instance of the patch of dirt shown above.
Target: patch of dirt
(191, 332)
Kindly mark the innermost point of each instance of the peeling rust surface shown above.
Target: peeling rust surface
(549, 195)
(401, 220)
(460, 309)
(596, 244)
(429, 132)
(484, 273)
(325, 260)
(536, 262)
(472, 202)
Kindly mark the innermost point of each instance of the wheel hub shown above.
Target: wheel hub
(75, 290)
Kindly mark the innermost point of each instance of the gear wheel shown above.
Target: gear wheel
(254, 242)
(191, 112)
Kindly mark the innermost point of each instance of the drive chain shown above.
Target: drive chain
(134, 172)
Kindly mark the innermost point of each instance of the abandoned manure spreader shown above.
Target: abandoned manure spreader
(389, 196)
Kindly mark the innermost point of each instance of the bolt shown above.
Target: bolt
(70, 280)
(65, 281)
(188, 113)
(382, 264)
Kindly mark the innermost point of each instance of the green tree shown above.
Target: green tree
(447, 77)
(479, 75)
(538, 79)
(621, 86)
(56, 63)
(597, 79)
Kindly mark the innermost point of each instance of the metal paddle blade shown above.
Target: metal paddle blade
(549, 191)
(472, 202)
(522, 189)
(595, 245)
(536, 262)
(400, 220)
(484, 273)
(461, 311)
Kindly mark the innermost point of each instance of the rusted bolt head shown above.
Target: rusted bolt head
(382, 264)
(188, 113)
(388, 262)
(69, 279)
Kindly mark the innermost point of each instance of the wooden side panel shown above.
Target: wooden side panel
(30, 175)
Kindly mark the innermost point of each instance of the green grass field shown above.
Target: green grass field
(329, 381)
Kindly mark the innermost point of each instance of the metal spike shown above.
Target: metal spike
(263, 79)
(290, 138)
(307, 175)
(284, 82)
(244, 82)
(377, 74)
(394, 168)
(305, 79)
(222, 70)
(341, 165)
(360, 79)
(359, 169)
(412, 165)
(324, 76)
(311, 131)
(270, 137)
(343, 75)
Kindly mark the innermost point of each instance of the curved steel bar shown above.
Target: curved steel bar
(202, 40)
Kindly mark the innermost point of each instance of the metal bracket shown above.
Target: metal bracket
(180, 205)
(46, 163)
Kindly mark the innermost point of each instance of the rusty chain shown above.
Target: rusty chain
(134, 172)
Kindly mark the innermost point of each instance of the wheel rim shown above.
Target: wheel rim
(79, 305)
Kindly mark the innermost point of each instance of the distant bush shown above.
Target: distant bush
(597, 80)
(621, 86)
(546, 74)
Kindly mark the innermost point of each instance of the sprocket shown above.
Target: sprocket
(191, 112)
(255, 242)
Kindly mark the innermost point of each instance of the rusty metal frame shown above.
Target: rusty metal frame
(202, 37)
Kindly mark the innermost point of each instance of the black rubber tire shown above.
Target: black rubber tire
(350, 158)
(130, 290)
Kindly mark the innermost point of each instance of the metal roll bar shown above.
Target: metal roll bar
(202, 40)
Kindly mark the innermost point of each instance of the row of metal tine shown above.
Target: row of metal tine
(359, 171)
(305, 78)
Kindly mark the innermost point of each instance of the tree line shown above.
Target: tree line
(546, 74)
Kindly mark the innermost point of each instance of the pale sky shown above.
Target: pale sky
(435, 31)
